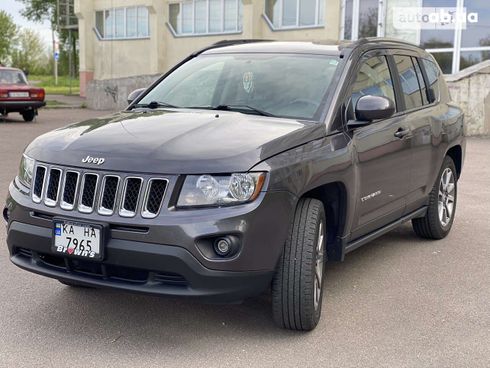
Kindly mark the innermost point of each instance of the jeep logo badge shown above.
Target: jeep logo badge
(93, 160)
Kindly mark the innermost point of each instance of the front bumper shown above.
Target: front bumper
(134, 266)
(165, 260)
(19, 106)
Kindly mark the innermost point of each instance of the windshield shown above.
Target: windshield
(12, 77)
(283, 85)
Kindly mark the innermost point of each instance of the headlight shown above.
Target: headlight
(220, 190)
(26, 170)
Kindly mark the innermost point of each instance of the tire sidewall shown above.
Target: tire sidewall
(447, 164)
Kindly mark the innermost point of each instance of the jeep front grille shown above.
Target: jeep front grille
(105, 193)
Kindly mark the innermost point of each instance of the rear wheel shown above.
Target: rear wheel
(439, 218)
(297, 287)
(28, 115)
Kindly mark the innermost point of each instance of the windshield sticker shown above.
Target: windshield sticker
(248, 82)
(333, 62)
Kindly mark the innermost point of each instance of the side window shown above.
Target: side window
(409, 82)
(433, 76)
(420, 78)
(373, 78)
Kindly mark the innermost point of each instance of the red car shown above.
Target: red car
(16, 95)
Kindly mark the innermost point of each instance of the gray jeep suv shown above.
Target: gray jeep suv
(243, 170)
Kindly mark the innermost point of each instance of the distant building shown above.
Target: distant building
(123, 39)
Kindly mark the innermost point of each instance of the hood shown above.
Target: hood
(169, 142)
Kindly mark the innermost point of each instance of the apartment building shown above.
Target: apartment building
(125, 44)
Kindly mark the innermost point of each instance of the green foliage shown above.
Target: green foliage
(8, 31)
(29, 53)
(41, 10)
(63, 87)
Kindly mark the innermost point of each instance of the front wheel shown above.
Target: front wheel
(297, 287)
(29, 115)
(439, 218)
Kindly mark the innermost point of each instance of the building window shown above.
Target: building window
(291, 14)
(360, 19)
(200, 17)
(122, 23)
(454, 49)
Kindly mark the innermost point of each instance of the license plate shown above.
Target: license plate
(18, 94)
(80, 240)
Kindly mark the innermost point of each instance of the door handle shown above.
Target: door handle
(400, 133)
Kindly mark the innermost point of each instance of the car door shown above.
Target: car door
(418, 119)
(382, 150)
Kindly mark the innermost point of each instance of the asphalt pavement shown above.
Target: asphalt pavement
(396, 302)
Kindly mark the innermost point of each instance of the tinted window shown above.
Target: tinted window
(420, 78)
(373, 78)
(433, 75)
(409, 82)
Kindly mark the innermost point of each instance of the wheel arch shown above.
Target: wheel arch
(334, 198)
(456, 154)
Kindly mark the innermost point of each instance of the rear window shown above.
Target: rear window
(420, 78)
(12, 77)
(433, 75)
(410, 84)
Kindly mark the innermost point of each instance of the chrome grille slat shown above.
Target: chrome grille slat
(130, 196)
(108, 197)
(88, 192)
(104, 192)
(70, 185)
(53, 187)
(38, 186)
(153, 200)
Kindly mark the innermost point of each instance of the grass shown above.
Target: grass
(54, 103)
(63, 87)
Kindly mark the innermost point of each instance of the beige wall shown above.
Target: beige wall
(125, 58)
(470, 89)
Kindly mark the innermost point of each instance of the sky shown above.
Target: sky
(14, 8)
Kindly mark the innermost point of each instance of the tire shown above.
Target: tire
(75, 284)
(296, 299)
(28, 115)
(435, 225)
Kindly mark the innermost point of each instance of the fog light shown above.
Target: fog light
(222, 247)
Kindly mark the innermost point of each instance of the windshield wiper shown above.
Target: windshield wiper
(238, 108)
(155, 105)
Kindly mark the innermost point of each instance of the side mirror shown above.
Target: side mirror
(135, 94)
(369, 108)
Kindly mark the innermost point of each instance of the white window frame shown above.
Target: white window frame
(238, 24)
(125, 37)
(456, 50)
(318, 22)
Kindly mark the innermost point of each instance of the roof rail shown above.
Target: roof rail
(365, 40)
(224, 43)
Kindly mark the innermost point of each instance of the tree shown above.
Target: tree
(41, 10)
(29, 53)
(8, 31)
